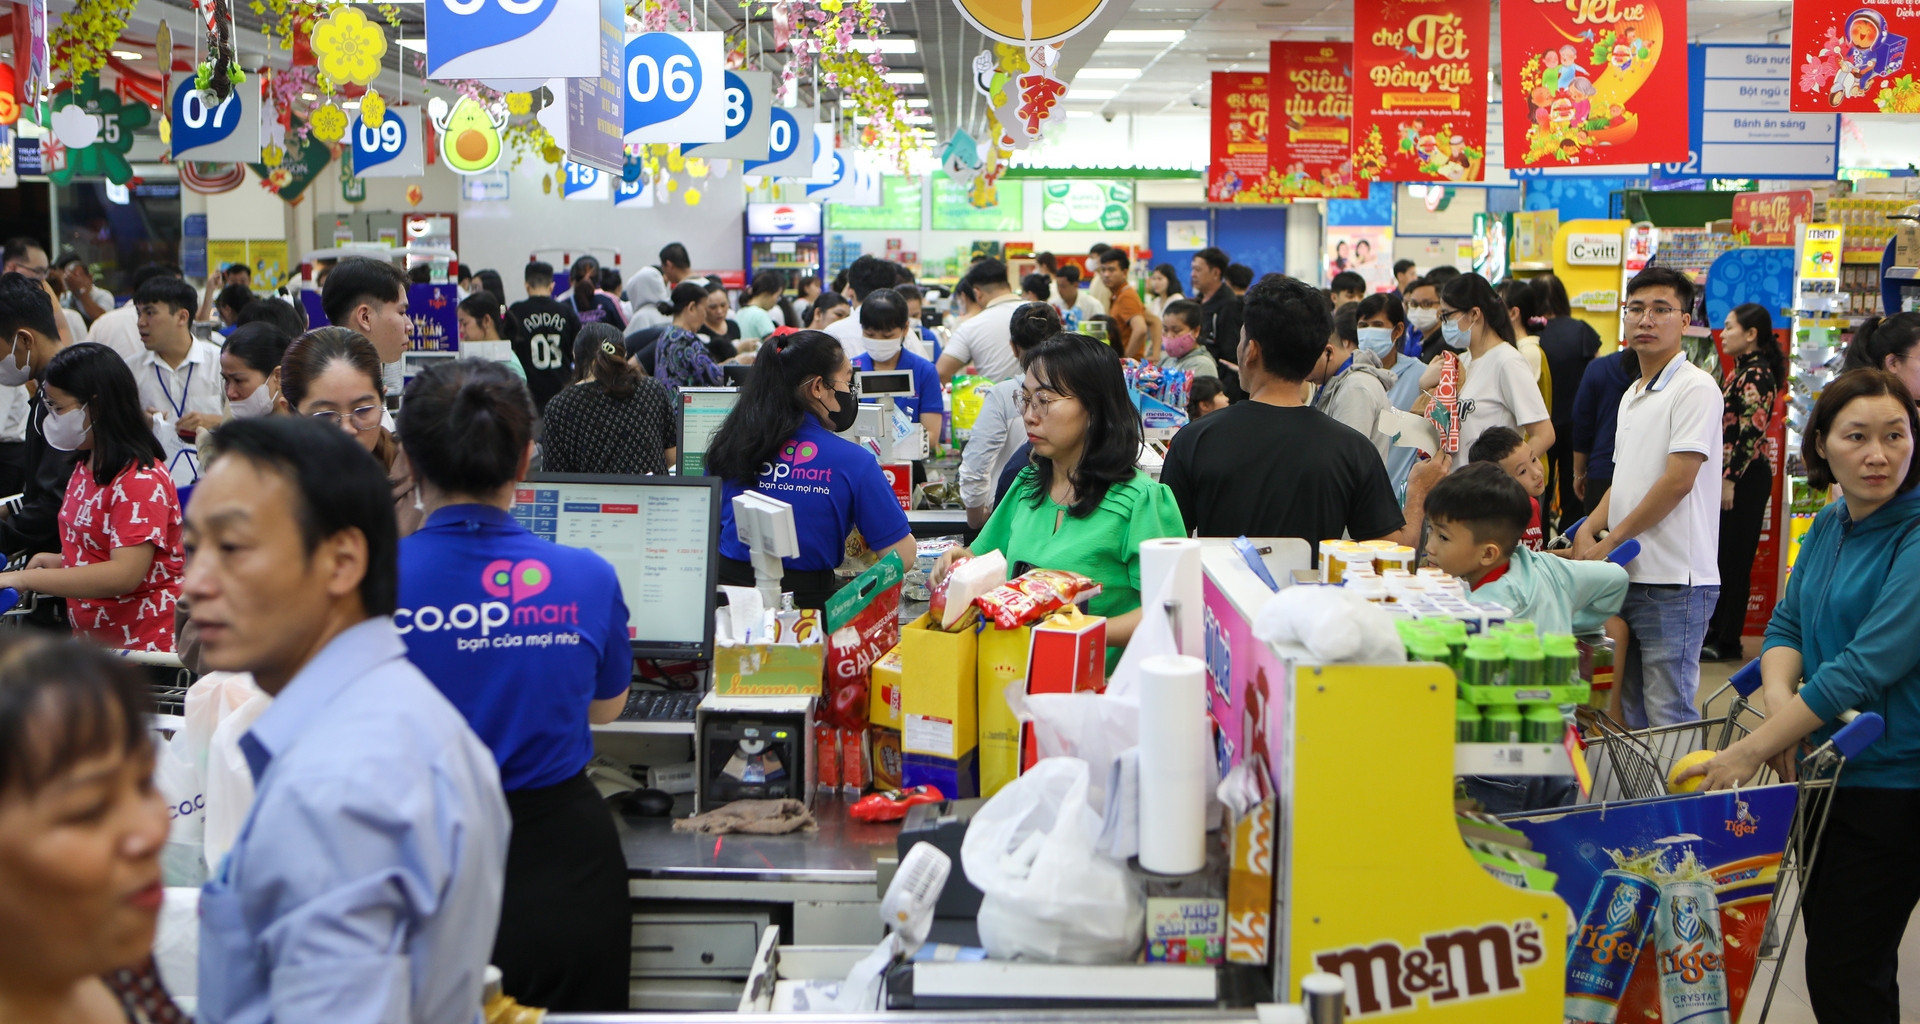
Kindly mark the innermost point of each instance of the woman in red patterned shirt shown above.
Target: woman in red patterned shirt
(120, 556)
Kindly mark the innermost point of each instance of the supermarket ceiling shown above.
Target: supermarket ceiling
(1144, 57)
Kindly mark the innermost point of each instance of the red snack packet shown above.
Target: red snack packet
(856, 774)
(863, 623)
(1034, 596)
(892, 805)
(826, 756)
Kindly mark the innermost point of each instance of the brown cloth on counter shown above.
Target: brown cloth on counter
(752, 817)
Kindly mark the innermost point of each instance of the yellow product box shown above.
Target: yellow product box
(768, 670)
(939, 709)
(1002, 661)
(883, 694)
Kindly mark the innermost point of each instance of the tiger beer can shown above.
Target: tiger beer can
(1689, 954)
(1616, 923)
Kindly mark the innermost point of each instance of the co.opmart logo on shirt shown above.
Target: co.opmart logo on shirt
(502, 578)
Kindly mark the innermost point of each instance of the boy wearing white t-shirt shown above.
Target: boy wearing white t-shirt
(1668, 439)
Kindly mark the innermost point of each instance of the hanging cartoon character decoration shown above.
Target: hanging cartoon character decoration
(1870, 52)
(469, 133)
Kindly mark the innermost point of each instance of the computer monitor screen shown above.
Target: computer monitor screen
(702, 410)
(660, 533)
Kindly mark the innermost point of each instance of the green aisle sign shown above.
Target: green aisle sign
(1086, 205)
(899, 208)
(952, 211)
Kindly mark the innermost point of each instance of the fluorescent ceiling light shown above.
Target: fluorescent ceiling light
(1107, 74)
(416, 45)
(1146, 35)
(309, 96)
(1090, 95)
(906, 77)
(126, 55)
(864, 45)
(918, 101)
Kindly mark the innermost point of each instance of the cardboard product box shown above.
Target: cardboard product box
(883, 696)
(1250, 886)
(889, 768)
(768, 670)
(1068, 654)
(1186, 931)
(1002, 661)
(939, 709)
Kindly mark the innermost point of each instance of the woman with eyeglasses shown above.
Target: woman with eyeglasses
(1082, 505)
(120, 559)
(334, 375)
(783, 439)
(1496, 386)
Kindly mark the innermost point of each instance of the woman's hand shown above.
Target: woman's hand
(1731, 768)
(944, 564)
(1580, 486)
(46, 560)
(1726, 495)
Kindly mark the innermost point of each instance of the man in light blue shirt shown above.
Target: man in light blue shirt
(365, 882)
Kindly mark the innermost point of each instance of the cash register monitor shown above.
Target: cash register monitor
(662, 535)
(702, 410)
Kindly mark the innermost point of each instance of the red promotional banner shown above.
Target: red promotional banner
(1594, 81)
(1852, 57)
(1420, 99)
(1237, 169)
(1309, 143)
(1771, 218)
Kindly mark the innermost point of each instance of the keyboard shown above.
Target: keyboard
(660, 706)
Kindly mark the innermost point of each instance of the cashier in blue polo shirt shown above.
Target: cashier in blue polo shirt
(883, 323)
(783, 440)
(529, 641)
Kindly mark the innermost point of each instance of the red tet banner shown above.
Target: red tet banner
(1237, 170)
(1420, 99)
(1771, 218)
(1594, 81)
(1853, 57)
(1309, 142)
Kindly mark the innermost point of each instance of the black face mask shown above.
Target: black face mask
(845, 411)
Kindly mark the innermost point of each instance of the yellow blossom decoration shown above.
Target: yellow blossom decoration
(329, 123)
(519, 103)
(272, 155)
(373, 108)
(349, 46)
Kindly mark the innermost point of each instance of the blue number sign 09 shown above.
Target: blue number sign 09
(374, 145)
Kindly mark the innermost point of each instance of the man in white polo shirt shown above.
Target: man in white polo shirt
(1667, 441)
(985, 339)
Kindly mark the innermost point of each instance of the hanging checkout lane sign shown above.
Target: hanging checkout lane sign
(225, 131)
(584, 182)
(749, 111)
(498, 39)
(392, 149)
(596, 105)
(1743, 121)
(790, 144)
(676, 87)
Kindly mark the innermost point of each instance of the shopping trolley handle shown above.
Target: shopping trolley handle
(1858, 734)
(9, 599)
(1747, 680)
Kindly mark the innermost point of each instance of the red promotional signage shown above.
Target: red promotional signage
(1771, 218)
(1420, 96)
(1309, 140)
(1237, 168)
(1594, 81)
(1853, 58)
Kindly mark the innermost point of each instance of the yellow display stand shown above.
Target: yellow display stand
(1378, 886)
(1593, 284)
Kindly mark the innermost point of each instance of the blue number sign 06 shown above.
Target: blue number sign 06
(663, 77)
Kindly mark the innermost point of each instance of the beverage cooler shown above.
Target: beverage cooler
(786, 237)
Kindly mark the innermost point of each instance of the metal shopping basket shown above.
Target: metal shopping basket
(1633, 764)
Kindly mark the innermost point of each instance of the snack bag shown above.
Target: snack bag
(863, 623)
(1034, 595)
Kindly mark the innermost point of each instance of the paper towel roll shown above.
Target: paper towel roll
(1178, 559)
(1173, 764)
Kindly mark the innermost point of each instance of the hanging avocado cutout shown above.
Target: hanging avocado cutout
(469, 133)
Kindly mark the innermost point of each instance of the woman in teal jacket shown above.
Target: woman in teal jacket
(1844, 632)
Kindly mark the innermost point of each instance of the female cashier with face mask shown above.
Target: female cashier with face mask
(783, 440)
(529, 640)
(250, 365)
(884, 324)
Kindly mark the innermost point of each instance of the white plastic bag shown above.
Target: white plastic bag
(1331, 623)
(1047, 894)
(229, 781)
(175, 776)
(176, 943)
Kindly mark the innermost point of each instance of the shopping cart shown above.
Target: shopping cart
(1633, 764)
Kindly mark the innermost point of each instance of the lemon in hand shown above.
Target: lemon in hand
(1693, 784)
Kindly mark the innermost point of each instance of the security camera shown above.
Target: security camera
(1108, 114)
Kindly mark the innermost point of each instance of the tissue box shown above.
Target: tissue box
(768, 670)
(1186, 931)
(1068, 654)
(1002, 661)
(939, 709)
(1250, 886)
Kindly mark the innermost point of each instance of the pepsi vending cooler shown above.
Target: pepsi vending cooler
(787, 237)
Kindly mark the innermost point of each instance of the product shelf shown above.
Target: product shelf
(1511, 759)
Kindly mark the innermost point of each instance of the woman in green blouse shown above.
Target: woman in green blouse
(1082, 505)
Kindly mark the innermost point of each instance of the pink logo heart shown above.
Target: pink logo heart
(802, 451)
(521, 580)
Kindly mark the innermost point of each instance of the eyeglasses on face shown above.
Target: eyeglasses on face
(364, 418)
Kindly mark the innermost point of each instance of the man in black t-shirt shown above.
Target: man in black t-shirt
(1273, 466)
(1220, 315)
(543, 330)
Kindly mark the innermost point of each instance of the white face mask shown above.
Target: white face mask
(1424, 319)
(17, 369)
(1377, 340)
(257, 404)
(66, 431)
(883, 349)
